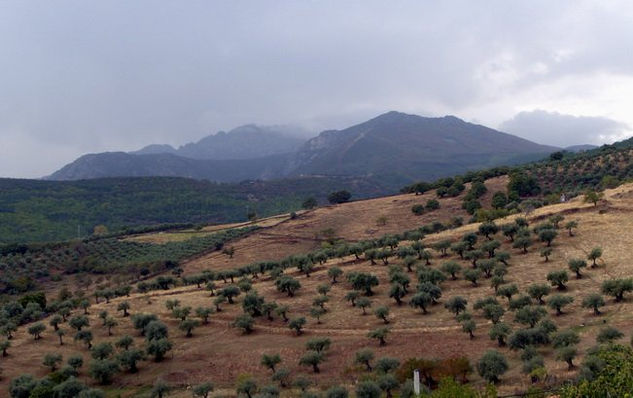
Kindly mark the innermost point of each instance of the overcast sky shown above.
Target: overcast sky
(90, 76)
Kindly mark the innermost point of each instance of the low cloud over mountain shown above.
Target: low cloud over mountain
(558, 129)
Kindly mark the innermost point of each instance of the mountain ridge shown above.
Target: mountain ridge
(243, 142)
(401, 147)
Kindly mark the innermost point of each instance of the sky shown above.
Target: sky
(91, 76)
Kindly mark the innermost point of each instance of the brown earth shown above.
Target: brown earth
(220, 353)
(351, 221)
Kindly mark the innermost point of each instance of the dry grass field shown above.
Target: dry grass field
(220, 353)
(352, 222)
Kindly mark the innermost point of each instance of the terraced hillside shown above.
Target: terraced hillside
(219, 351)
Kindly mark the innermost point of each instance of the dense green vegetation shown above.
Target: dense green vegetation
(28, 264)
(563, 172)
(38, 211)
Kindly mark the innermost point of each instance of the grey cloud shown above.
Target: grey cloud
(79, 76)
(561, 130)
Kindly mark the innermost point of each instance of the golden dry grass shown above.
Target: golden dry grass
(220, 353)
(351, 221)
(185, 234)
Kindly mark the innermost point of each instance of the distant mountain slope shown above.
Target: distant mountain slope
(581, 148)
(244, 142)
(412, 146)
(396, 147)
(121, 164)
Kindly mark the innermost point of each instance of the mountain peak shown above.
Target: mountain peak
(248, 141)
(398, 146)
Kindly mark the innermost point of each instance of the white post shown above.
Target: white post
(416, 382)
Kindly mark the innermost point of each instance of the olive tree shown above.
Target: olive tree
(203, 390)
(364, 357)
(84, 336)
(530, 315)
(334, 273)
(319, 344)
(594, 255)
(593, 301)
(387, 364)
(558, 301)
(472, 275)
(363, 303)
(297, 325)
(379, 334)
(282, 311)
(469, 326)
(52, 360)
(312, 358)
(158, 348)
(575, 265)
(103, 370)
(244, 322)
(570, 226)
(125, 307)
(537, 291)
(547, 235)
(4, 346)
(230, 292)
(382, 312)
(128, 359)
(362, 281)
(270, 361)
(397, 292)
(608, 335)
(367, 389)
(451, 268)
(546, 252)
(188, 325)
(124, 342)
(567, 354)
(508, 291)
(456, 304)
(102, 351)
(558, 279)
(421, 300)
(36, 330)
(492, 365)
(617, 288)
(499, 331)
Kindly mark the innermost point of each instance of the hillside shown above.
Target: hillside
(35, 211)
(221, 353)
(26, 217)
(395, 147)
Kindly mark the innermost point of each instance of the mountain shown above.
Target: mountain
(121, 164)
(412, 146)
(244, 142)
(580, 148)
(397, 147)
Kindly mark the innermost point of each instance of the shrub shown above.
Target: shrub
(608, 335)
(418, 209)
